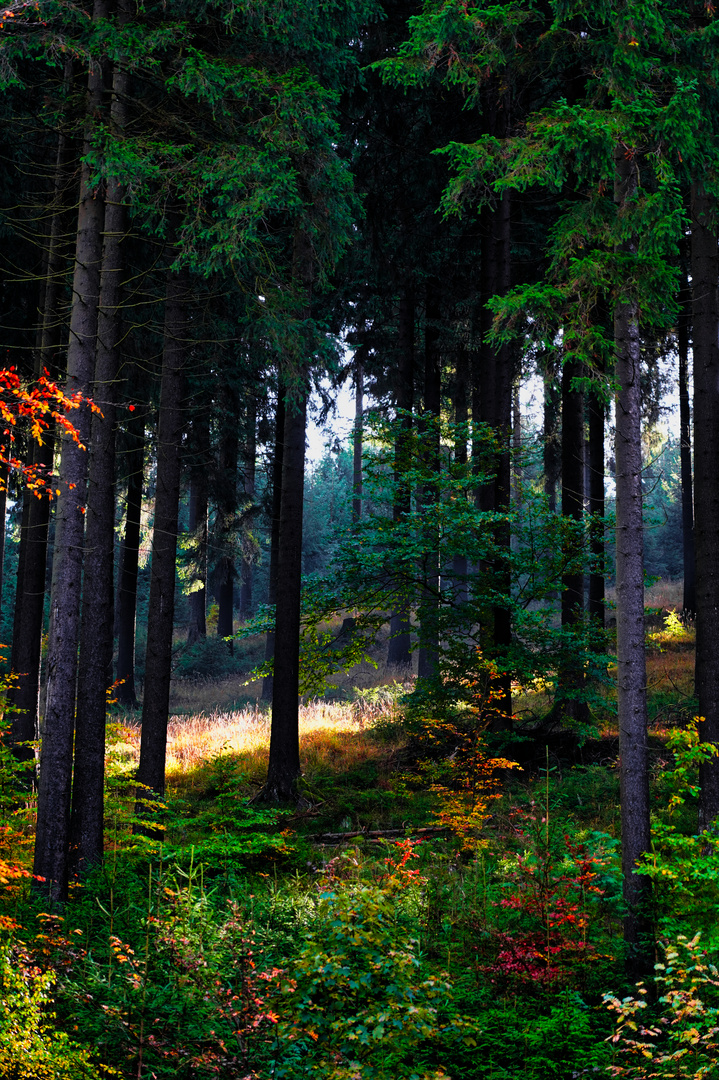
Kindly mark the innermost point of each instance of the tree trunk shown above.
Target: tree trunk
(129, 558)
(596, 411)
(461, 417)
(97, 623)
(550, 440)
(705, 320)
(571, 677)
(160, 620)
(399, 652)
(357, 440)
(227, 510)
(284, 764)
(277, 466)
(428, 659)
(685, 449)
(631, 666)
(53, 816)
(197, 527)
(249, 491)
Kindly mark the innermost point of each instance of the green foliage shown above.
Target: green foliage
(677, 1036)
(32, 1047)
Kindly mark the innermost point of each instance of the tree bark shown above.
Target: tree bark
(596, 411)
(227, 511)
(197, 526)
(399, 652)
(129, 560)
(631, 665)
(51, 845)
(705, 320)
(160, 621)
(277, 466)
(284, 764)
(428, 659)
(461, 417)
(357, 440)
(97, 622)
(249, 491)
(685, 449)
(550, 440)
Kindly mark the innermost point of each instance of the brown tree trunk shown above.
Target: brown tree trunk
(160, 620)
(461, 417)
(399, 652)
(97, 623)
(129, 559)
(277, 467)
(249, 491)
(428, 659)
(685, 449)
(631, 665)
(197, 527)
(53, 816)
(227, 512)
(284, 764)
(357, 440)
(596, 411)
(705, 322)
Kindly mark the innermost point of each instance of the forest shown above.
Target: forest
(399, 758)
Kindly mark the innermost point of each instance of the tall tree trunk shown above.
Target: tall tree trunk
(551, 439)
(631, 665)
(227, 510)
(428, 659)
(197, 527)
(249, 492)
(705, 320)
(399, 652)
(461, 417)
(277, 467)
(284, 764)
(685, 448)
(53, 816)
(30, 586)
(571, 678)
(97, 623)
(595, 410)
(357, 434)
(160, 620)
(129, 560)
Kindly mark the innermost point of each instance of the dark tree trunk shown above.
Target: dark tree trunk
(284, 764)
(461, 417)
(97, 623)
(357, 441)
(399, 652)
(129, 559)
(249, 490)
(3, 526)
(197, 526)
(160, 619)
(53, 816)
(685, 449)
(631, 665)
(705, 323)
(596, 410)
(277, 466)
(551, 439)
(428, 659)
(571, 677)
(227, 510)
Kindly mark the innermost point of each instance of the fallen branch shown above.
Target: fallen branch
(374, 834)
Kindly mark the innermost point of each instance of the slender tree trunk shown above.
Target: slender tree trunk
(160, 620)
(227, 509)
(399, 652)
(428, 659)
(53, 817)
(705, 319)
(357, 441)
(277, 467)
(284, 764)
(631, 665)
(571, 678)
(97, 623)
(197, 526)
(249, 491)
(550, 440)
(685, 449)
(129, 560)
(461, 417)
(3, 526)
(595, 410)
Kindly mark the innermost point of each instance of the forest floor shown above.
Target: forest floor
(427, 911)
